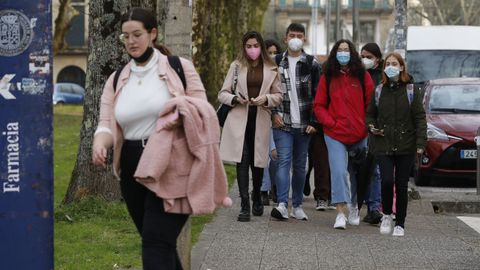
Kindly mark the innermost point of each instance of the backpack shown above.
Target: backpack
(174, 62)
(378, 92)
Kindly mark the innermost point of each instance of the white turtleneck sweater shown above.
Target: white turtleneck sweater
(140, 100)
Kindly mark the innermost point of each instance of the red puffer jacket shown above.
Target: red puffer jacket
(344, 118)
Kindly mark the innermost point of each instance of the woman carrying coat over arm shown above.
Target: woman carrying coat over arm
(396, 118)
(128, 115)
(246, 132)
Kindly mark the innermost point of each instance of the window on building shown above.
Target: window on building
(282, 3)
(300, 3)
(331, 31)
(75, 36)
(364, 4)
(367, 31)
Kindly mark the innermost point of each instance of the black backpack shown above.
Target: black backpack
(174, 62)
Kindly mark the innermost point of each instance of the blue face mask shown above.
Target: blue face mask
(392, 71)
(343, 58)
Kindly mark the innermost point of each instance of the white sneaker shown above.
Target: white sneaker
(386, 226)
(340, 221)
(353, 218)
(280, 212)
(398, 231)
(298, 213)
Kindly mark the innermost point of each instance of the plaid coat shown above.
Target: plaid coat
(307, 76)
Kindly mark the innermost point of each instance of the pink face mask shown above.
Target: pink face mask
(253, 53)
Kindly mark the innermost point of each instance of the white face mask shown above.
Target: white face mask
(368, 63)
(295, 44)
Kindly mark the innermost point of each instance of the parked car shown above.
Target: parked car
(452, 107)
(68, 93)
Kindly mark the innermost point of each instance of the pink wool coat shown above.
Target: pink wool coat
(175, 87)
(233, 133)
(183, 165)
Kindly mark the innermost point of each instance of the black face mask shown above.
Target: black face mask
(144, 57)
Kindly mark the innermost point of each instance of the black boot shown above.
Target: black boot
(243, 180)
(257, 208)
(244, 215)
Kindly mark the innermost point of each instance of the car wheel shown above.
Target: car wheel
(60, 103)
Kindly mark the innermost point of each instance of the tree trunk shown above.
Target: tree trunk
(62, 23)
(105, 55)
(217, 31)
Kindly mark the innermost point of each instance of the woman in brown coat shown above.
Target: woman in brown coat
(252, 87)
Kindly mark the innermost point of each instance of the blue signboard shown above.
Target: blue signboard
(26, 164)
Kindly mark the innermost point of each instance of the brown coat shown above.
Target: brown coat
(233, 132)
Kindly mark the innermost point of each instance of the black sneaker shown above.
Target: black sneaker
(321, 205)
(368, 217)
(373, 217)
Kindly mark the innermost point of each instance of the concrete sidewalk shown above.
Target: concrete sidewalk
(432, 241)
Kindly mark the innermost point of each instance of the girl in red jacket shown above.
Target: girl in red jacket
(340, 106)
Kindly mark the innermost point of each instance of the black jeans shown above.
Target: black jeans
(318, 160)
(159, 230)
(395, 169)
(248, 158)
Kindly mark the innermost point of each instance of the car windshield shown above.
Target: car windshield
(429, 65)
(455, 99)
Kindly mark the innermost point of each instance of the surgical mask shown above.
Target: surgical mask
(343, 58)
(295, 44)
(368, 63)
(392, 71)
(253, 53)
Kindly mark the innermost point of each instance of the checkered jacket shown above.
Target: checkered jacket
(307, 75)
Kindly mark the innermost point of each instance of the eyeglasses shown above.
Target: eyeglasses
(124, 37)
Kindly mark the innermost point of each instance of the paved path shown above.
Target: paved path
(432, 241)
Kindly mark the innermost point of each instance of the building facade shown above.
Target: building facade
(376, 18)
(70, 63)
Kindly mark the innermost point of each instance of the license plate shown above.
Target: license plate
(468, 154)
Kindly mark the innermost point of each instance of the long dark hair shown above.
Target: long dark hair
(373, 49)
(242, 55)
(149, 22)
(270, 42)
(332, 66)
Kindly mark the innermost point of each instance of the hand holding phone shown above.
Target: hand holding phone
(376, 131)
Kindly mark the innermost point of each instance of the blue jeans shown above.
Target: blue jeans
(374, 191)
(343, 180)
(292, 149)
(269, 175)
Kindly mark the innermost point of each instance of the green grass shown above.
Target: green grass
(94, 234)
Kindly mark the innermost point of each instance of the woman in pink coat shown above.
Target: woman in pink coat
(252, 87)
(128, 114)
